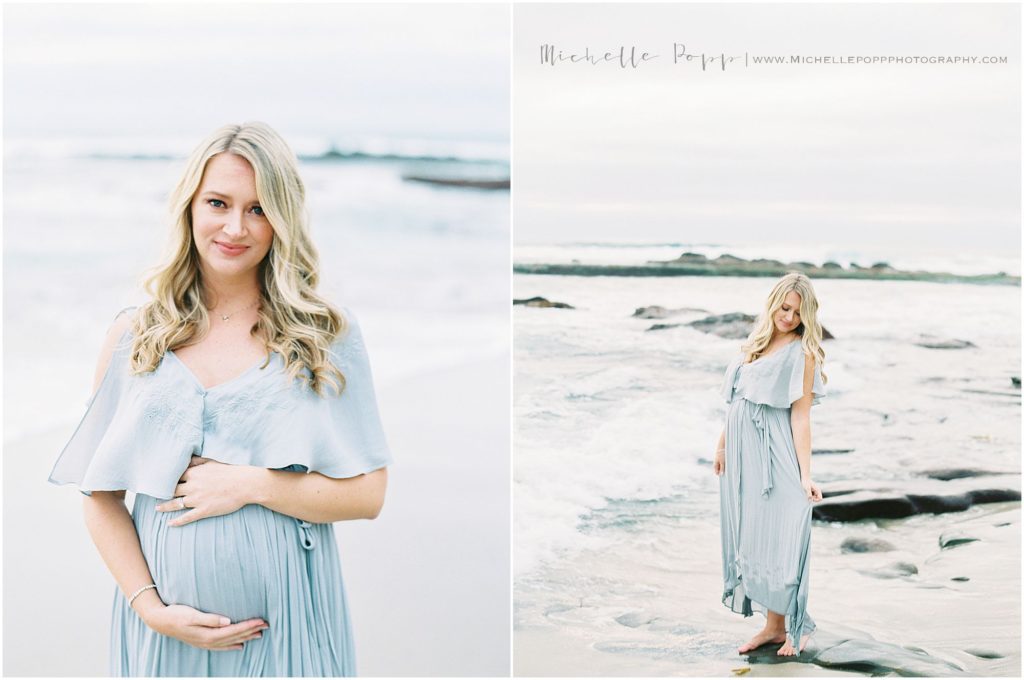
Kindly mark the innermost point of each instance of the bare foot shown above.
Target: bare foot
(765, 637)
(788, 650)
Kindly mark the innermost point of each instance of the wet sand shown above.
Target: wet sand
(655, 610)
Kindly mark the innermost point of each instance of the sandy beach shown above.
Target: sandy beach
(617, 561)
(428, 577)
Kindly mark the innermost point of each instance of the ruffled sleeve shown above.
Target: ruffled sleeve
(280, 425)
(74, 461)
(795, 371)
(120, 444)
(729, 382)
(351, 440)
(778, 379)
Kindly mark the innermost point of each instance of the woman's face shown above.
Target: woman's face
(231, 233)
(787, 317)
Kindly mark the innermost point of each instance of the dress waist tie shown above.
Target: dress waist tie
(761, 423)
(307, 539)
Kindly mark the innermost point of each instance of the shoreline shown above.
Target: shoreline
(669, 269)
(631, 618)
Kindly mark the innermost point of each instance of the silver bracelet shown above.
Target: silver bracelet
(139, 592)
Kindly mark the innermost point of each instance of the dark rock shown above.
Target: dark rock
(762, 262)
(984, 653)
(691, 258)
(880, 658)
(1015, 381)
(652, 312)
(932, 342)
(861, 655)
(542, 302)
(735, 325)
(727, 265)
(954, 538)
(663, 326)
(460, 182)
(840, 505)
(882, 266)
(659, 312)
(960, 578)
(824, 452)
(894, 570)
(904, 568)
(862, 505)
(830, 494)
(946, 474)
(863, 545)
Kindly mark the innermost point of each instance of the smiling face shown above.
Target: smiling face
(787, 316)
(231, 233)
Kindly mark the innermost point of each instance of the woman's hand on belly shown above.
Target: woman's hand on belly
(202, 630)
(209, 488)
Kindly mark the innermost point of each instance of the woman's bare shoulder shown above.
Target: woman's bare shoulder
(122, 322)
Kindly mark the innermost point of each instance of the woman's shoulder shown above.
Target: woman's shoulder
(116, 335)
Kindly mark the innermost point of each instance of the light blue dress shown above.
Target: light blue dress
(766, 516)
(139, 433)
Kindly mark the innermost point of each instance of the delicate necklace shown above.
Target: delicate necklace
(225, 317)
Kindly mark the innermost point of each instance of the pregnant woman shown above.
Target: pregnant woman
(238, 405)
(763, 459)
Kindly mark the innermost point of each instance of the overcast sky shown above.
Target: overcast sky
(864, 154)
(439, 71)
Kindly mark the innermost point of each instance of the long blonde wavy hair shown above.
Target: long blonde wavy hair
(293, 319)
(809, 328)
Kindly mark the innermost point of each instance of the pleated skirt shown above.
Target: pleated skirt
(251, 563)
(765, 518)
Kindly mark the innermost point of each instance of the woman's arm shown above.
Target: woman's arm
(211, 488)
(800, 420)
(316, 498)
(719, 464)
(113, 532)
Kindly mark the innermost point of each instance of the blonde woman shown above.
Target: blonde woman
(238, 405)
(763, 459)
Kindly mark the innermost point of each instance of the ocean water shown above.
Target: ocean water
(424, 267)
(616, 506)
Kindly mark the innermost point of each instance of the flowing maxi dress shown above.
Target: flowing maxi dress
(139, 433)
(765, 514)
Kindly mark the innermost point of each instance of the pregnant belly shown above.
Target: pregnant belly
(230, 565)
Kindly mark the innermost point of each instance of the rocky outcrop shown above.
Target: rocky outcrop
(542, 302)
(462, 183)
(659, 312)
(933, 342)
(863, 545)
(695, 264)
(881, 501)
(860, 654)
(946, 474)
(735, 325)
